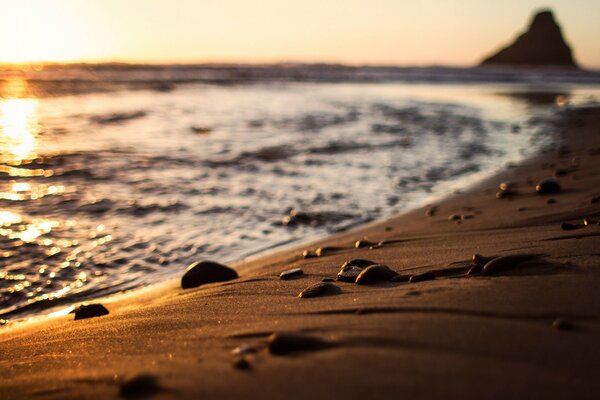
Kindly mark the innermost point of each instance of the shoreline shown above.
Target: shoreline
(385, 338)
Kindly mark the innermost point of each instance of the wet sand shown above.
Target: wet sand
(531, 331)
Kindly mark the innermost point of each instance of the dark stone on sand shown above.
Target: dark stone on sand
(455, 217)
(551, 201)
(200, 130)
(505, 263)
(425, 276)
(542, 45)
(375, 273)
(90, 311)
(319, 289)
(400, 278)
(281, 343)
(431, 211)
(475, 270)
(357, 262)
(241, 362)
(562, 324)
(203, 272)
(291, 273)
(243, 349)
(565, 226)
(349, 273)
(307, 254)
(478, 259)
(588, 221)
(322, 251)
(560, 172)
(548, 186)
(141, 386)
(363, 243)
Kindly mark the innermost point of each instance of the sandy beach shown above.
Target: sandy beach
(528, 331)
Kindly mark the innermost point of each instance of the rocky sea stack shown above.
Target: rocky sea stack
(542, 45)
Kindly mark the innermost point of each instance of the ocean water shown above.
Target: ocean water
(115, 179)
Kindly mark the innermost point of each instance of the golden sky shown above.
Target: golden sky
(425, 32)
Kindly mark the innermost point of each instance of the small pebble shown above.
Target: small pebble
(357, 262)
(203, 272)
(349, 273)
(241, 362)
(388, 228)
(551, 201)
(89, 311)
(322, 251)
(565, 226)
(243, 349)
(431, 211)
(505, 263)
(562, 324)
(588, 221)
(288, 342)
(455, 217)
(141, 386)
(319, 289)
(307, 254)
(375, 273)
(425, 276)
(291, 273)
(478, 259)
(363, 243)
(548, 186)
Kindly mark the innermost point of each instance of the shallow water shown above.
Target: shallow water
(101, 192)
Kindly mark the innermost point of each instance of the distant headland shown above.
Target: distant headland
(542, 45)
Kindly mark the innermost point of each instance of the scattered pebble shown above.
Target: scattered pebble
(89, 311)
(308, 254)
(425, 276)
(200, 130)
(507, 189)
(455, 217)
(551, 201)
(243, 349)
(560, 172)
(288, 342)
(349, 273)
(141, 386)
(588, 221)
(319, 289)
(357, 262)
(388, 228)
(203, 272)
(565, 226)
(241, 362)
(363, 243)
(562, 324)
(375, 273)
(291, 274)
(431, 211)
(505, 263)
(478, 259)
(322, 251)
(548, 186)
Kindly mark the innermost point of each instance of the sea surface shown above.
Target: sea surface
(114, 177)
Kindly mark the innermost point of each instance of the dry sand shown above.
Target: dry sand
(452, 337)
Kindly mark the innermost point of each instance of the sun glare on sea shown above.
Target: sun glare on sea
(18, 123)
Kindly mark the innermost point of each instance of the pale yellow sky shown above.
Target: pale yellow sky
(425, 32)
